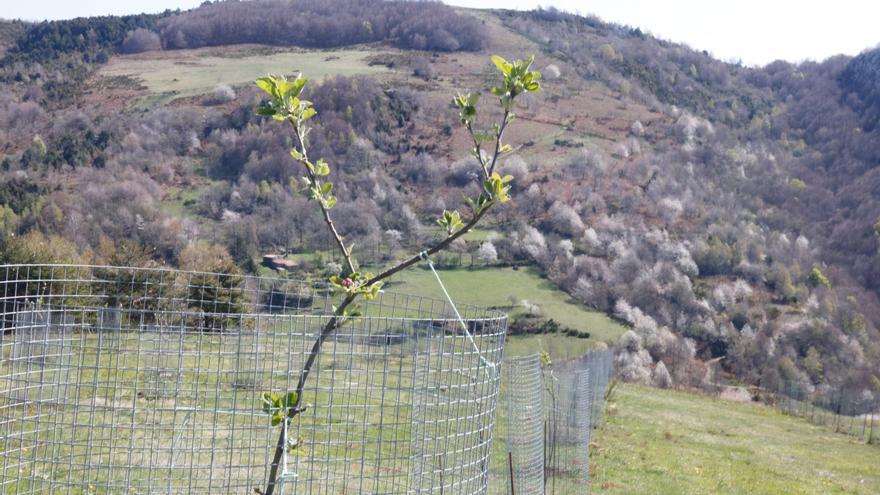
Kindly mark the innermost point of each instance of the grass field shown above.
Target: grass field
(561, 347)
(493, 287)
(496, 287)
(666, 442)
(185, 73)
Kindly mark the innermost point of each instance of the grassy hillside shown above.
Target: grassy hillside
(167, 76)
(666, 442)
(493, 287)
(654, 175)
(561, 347)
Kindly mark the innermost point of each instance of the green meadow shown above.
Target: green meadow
(187, 73)
(677, 443)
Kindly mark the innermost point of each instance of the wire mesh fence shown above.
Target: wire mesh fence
(525, 424)
(576, 400)
(123, 380)
(599, 363)
(550, 414)
(852, 413)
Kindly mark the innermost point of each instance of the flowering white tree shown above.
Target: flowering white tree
(661, 376)
(487, 253)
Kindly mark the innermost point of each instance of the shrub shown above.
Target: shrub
(422, 68)
(817, 278)
(716, 257)
(140, 40)
(222, 94)
(217, 292)
(661, 376)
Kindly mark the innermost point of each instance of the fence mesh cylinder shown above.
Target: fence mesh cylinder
(525, 425)
(575, 399)
(122, 380)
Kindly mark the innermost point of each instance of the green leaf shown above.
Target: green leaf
(295, 446)
(268, 402)
(497, 188)
(483, 136)
(268, 85)
(290, 399)
(277, 418)
(296, 154)
(373, 291)
(321, 168)
(503, 65)
(308, 113)
(481, 202)
(296, 86)
(326, 188)
(266, 111)
(451, 220)
(290, 89)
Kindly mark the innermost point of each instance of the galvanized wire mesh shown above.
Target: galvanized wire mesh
(575, 398)
(600, 364)
(565, 420)
(123, 380)
(525, 425)
(848, 412)
(571, 395)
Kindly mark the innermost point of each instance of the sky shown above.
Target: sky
(754, 32)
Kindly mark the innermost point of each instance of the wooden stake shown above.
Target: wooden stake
(510, 464)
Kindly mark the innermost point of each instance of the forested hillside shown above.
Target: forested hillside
(720, 211)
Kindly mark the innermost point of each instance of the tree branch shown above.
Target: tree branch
(331, 325)
(504, 121)
(340, 243)
(412, 260)
(296, 112)
(478, 150)
(468, 226)
(281, 444)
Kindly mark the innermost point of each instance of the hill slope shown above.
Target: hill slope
(509, 288)
(721, 211)
(666, 442)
